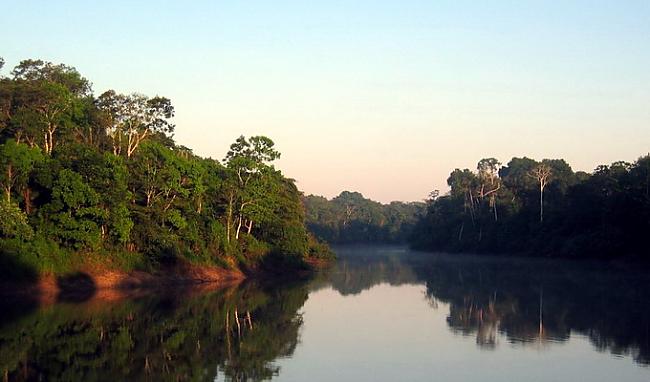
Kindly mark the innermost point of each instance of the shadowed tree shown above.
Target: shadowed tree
(490, 183)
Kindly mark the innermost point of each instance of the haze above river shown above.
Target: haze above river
(381, 314)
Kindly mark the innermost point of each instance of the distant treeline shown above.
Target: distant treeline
(100, 179)
(351, 218)
(541, 208)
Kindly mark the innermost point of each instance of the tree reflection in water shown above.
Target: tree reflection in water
(531, 302)
(238, 333)
(538, 302)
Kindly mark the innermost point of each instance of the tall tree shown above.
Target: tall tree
(133, 118)
(542, 174)
(248, 161)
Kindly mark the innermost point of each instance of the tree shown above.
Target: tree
(248, 162)
(104, 173)
(133, 118)
(43, 71)
(542, 174)
(488, 175)
(74, 212)
(17, 161)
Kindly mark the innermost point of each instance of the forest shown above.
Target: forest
(541, 208)
(350, 218)
(98, 179)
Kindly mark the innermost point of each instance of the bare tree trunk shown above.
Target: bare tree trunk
(249, 227)
(238, 227)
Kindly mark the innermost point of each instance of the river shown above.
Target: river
(380, 314)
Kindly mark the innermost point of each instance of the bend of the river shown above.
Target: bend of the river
(380, 314)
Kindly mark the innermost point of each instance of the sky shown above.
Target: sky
(381, 97)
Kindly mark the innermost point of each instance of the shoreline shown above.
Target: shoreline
(110, 284)
(106, 284)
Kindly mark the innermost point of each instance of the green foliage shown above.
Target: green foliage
(542, 208)
(90, 179)
(13, 222)
(73, 214)
(16, 164)
(351, 218)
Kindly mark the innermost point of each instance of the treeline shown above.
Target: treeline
(351, 218)
(541, 208)
(88, 177)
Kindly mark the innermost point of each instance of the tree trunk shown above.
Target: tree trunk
(27, 196)
(238, 228)
(7, 187)
(249, 227)
(541, 204)
(250, 321)
(229, 219)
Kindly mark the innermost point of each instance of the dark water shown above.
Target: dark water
(382, 314)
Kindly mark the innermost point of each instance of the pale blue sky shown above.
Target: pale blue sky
(383, 97)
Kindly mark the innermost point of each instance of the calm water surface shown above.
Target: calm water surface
(381, 314)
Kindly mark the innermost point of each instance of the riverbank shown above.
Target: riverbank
(110, 284)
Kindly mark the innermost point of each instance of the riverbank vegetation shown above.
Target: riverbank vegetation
(541, 208)
(351, 218)
(98, 180)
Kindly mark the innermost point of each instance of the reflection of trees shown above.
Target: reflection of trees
(534, 301)
(168, 338)
(361, 268)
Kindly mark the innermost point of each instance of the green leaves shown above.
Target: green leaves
(103, 173)
(16, 163)
(131, 119)
(13, 221)
(74, 213)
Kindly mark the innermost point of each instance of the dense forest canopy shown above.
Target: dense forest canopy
(87, 176)
(542, 208)
(351, 218)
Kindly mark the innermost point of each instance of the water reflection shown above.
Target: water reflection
(530, 301)
(183, 335)
(537, 301)
(241, 333)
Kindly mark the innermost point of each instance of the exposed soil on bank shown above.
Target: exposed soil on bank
(107, 284)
